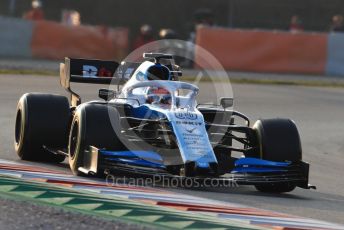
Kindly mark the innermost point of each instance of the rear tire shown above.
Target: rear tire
(91, 125)
(278, 140)
(42, 119)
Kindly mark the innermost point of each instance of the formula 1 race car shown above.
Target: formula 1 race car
(153, 125)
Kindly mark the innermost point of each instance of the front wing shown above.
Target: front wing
(247, 171)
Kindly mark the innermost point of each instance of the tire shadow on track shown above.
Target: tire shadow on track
(248, 191)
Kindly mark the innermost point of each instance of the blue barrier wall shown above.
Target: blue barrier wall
(335, 54)
(15, 37)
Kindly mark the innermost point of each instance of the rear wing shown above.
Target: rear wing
(86, 71)
(103, 72)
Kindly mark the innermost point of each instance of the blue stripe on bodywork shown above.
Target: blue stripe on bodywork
(255, 165)
(137, 162)
(136, 158)
(247, 161)
(202, 164)
(257, 170)
(132, 154)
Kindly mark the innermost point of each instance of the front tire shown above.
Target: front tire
(278, 140)
(41, 119)
(92, 126)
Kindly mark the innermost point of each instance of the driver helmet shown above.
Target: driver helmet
(158, 95)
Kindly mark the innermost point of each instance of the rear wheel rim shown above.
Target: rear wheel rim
(73, 140)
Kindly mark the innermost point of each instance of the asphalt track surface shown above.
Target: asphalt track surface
(318, 113)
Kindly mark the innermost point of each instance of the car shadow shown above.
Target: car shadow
(246, 190)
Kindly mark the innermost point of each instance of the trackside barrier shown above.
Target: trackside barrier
(242, 50)
(266, 51)
(55, 41)
(335, 54)
(15, 37)
(52, 40)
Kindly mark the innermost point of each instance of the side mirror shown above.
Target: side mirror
(106, 94)
(226, 102)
